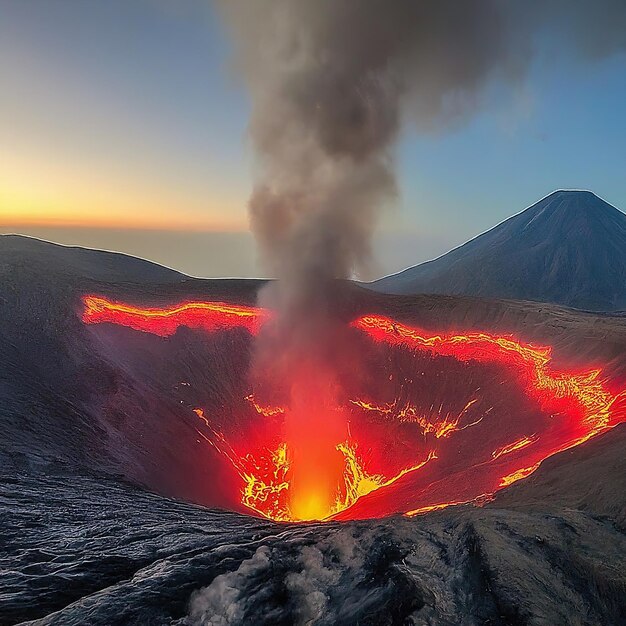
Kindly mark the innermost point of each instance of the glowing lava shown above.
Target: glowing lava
(449, 456)
(165, 321)
(268, 480)
(586, 392)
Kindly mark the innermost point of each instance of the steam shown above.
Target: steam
(329, 80)
(223, 602)
(332, 82)
(308, 575)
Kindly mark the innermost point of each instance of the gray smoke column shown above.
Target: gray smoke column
(331, 83)
(329, 80)
(332, 80)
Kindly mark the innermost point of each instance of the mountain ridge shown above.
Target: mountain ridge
(569, 248)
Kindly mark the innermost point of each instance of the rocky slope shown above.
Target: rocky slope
(90, 415)
(569, 248)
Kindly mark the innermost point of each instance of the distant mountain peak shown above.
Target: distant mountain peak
(573, 193)
(572, 200)
(568, 248)
(572, 204)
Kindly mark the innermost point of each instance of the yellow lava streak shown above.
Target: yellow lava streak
(266, 478)
(525, 472)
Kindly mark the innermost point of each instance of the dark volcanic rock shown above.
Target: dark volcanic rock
(569, 249)
(80, 551)
(82, 546)
(591, 477)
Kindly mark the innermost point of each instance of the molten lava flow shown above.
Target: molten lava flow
(433, 423)
(359, 483)
(515, 445)
(585, 389)
(208, 316)
(265, 481)
(480, 500)
(314, 426)
(582, 401)
(264, 409)
(423, 454)
(518, 475)
(268, 479)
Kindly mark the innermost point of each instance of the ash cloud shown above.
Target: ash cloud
(332, 83)
(329, 82)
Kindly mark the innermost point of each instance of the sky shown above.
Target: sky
(123, 127)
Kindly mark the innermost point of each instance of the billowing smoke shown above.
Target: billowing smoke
(328, 80)
(303, 582)
(332, 82)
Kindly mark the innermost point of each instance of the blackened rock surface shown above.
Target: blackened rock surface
(85, 550)
(108, 398)
(81, 547)
(590, 477)
(569, 248)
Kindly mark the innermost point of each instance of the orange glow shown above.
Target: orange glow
(519, 474)
(266, 411)
(585, 388)
(439, 427)
(461, 455)
(23, 220)
(359, 483)
(39, 190)
(478, 501)
(515, 445)
(208, 316)
(268, 480)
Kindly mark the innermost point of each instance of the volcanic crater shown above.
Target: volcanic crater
(435, 419)
(101, 419)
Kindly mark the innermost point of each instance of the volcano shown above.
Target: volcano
(125, 395)
(152, 376)
(569, 248)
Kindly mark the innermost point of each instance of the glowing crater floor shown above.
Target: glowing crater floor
(432, 419)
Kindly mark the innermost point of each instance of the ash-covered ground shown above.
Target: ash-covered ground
(83, 541)
(89, 550)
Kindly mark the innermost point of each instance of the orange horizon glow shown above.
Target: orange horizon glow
(36, 192)
(577, 405)
(114, 220)
(117, 223)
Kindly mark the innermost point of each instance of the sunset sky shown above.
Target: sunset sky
(122, 127)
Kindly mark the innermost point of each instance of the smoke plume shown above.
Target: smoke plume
(332, 82)
(328, 81)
